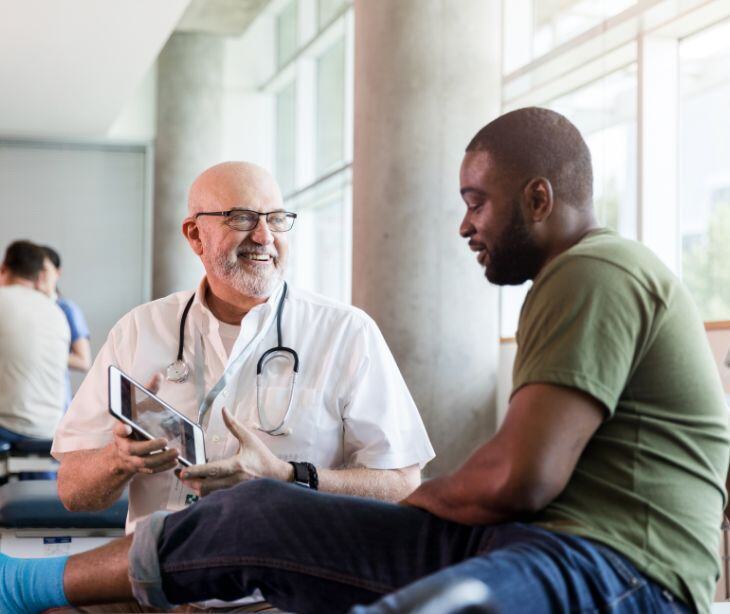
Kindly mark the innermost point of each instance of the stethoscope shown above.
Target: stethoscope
(179, 371)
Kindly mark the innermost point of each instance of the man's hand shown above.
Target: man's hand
(130, 456)
(429, 496)
(253, 460)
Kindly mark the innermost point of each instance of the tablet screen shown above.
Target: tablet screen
(157, 420)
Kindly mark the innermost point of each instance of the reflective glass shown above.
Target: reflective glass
(327, 9)
(320, 258)
(286, 33)
(535, 27)
(605, 113)
(285, 137)
(704, 169)
(330, 107)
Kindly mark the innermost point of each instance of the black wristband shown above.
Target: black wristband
(313, 477)
(305, 474)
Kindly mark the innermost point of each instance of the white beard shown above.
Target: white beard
(249, 283)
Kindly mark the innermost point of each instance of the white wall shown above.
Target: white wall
(89, 202)
(138, 119)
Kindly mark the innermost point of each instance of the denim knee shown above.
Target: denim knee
(234, 501)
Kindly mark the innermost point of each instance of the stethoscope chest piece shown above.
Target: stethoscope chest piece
(177, 371)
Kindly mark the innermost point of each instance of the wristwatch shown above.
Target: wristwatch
(305, 474)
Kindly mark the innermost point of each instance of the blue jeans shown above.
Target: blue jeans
(315, 552)
(12, 437)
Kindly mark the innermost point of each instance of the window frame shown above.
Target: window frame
(647, 33)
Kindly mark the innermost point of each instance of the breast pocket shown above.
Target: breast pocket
(313, 431)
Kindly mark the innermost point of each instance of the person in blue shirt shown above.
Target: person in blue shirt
(79, 357)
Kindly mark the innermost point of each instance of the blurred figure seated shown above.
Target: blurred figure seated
(34, 342)
(79, 357)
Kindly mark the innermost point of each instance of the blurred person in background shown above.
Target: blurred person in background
(79, 356)
(34, 341)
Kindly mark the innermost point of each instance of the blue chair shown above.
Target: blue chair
(31, 459)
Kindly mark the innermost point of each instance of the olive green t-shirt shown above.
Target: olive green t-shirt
(608, 318)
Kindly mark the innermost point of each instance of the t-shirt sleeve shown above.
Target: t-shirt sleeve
(583, 327)
(76, 320)
(382, 427)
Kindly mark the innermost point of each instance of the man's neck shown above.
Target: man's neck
(576, 234)
(14, 280)
(230, 306)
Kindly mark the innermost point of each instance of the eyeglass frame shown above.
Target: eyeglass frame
(229, 212)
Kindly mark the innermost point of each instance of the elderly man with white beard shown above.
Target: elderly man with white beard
(353, 427)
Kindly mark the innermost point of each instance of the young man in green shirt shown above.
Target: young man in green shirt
(602, 491)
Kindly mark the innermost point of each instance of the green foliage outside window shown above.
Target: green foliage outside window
(706, 264)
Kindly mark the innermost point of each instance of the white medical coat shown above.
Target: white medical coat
(351, 407)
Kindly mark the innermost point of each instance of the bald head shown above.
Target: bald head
(535, 142)
(233, 184)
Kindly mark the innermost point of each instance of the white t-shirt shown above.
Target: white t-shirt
(34, 342)
(350, 407)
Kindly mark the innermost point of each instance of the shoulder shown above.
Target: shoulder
(609, 263)
(164, 309)
(320, 306)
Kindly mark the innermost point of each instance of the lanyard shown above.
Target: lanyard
(235, 365)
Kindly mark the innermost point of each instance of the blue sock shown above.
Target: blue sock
(31, 585)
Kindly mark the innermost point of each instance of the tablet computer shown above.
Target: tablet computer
(152, 418)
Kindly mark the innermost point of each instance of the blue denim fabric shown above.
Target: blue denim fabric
(315, 552)
(144, 566)
(12, 437)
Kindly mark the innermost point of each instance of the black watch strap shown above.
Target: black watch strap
(305, 474)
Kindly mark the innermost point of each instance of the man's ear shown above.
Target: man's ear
(192, 234)
(41, 283)
(538, 195)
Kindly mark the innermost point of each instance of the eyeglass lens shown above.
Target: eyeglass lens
(247, 220)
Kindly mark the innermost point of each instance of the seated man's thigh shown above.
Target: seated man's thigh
(529, 569)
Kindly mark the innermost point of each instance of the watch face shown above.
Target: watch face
(301, 474)
(178, 371)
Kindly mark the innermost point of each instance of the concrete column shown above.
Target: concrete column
(426, 79)
(189, 139)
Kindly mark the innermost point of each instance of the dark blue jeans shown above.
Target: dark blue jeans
(314, 552)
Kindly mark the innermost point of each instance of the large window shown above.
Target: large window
(285, 137)
(536, 27)
(704, 168)
(312, 93)
(286, 33)
(647, 84)
(605, 113)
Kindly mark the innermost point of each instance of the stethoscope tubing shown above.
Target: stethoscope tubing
(181, 367)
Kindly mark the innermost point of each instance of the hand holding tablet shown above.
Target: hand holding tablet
(153, 419)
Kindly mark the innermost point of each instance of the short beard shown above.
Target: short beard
(247, 283)
(515, 257)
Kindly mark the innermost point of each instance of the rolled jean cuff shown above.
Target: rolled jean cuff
(144, 565)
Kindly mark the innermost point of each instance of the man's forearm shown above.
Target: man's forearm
(384, 484)
(80, 356)
(90, 480)
(447, 498)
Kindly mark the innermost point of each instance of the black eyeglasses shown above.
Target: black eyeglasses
(245, 219)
